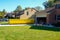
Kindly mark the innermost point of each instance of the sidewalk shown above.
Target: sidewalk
(13, 25)
(17, 25)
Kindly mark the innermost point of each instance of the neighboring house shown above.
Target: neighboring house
(17, 15)
(25, 16)
(9, 15)
(14, 15)
(28, 13)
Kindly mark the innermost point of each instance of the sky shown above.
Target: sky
(10, 5)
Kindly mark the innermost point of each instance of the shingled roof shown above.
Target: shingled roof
(44, 13)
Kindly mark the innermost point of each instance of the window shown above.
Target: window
(58, 17)
(57, 6)
(27, 13)
(55, 17)
(31, 9)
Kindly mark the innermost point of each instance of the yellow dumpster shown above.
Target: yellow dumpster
(21, 21)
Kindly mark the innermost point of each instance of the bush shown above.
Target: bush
(57, 24)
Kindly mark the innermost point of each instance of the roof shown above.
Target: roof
(41, 14)
(20, 13)
(44, 13)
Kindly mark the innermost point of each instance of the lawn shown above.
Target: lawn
(29, 33)
(4, 22)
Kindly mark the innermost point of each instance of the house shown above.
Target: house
(9, 15)
(28, 13)
(49, 15)
(54, 14)
(18, 14)
(23, 14)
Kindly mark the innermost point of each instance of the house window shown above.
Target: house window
(27, 13)
(55, 17)
(57, 6)
(58, 17)
(31, 9)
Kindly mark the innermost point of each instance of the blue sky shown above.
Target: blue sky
(10, 5)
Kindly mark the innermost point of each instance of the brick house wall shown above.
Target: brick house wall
(57, 13)
(51, 18)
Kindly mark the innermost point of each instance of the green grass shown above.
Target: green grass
(3, 22)
(28, 33)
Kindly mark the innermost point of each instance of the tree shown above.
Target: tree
(45, 4)
(2, 13)
(48, 4)
(38, 8)
(54, 0)
(50, 0)
(18, 9)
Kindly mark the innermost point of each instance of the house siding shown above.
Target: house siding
(31, 13)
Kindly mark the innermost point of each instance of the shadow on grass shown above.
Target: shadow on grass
(45, 28)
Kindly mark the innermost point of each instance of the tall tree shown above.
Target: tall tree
(48, 4)
(4, 11)
(19, 8)
(54, 0)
